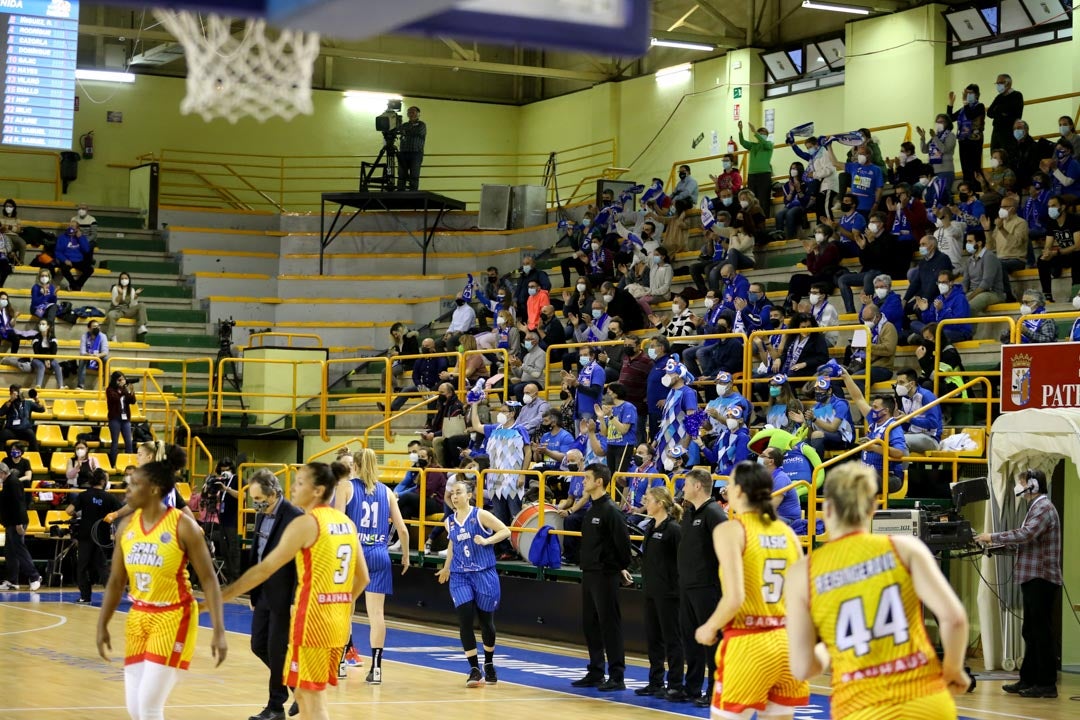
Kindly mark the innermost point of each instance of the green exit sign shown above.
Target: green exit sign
(738, 93)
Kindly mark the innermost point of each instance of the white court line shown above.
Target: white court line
(340, 703)
(62, 621)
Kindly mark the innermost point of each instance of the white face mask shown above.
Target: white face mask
(532, 291)
(709, 302)
(794, 173)
(667, 380)
(881, 293)
(744, 203)
(943, 288)
(413, 457)
(868, 323)
(527, 399)
(594, 246)
(1076, 302)
(80, 452)
(581, 287)
(1025, 309)
(124, 282)
(861, 159)
(501, 320)
(82, 213)
(1053, 212)
(732, 424)
(677, 309)
(873, 228)
(994, 162)
(902, 390)
(726, 164)
(583, 360)
(3, 302)
(722, 389)
(820, 237)
(939, 223)
(815, 298)
(608, 298)
(940, 127)
(970, 247)
(8, 210)
(43, 327)
(44, 279)
(1003, 213)
(501, 418)
(924, 181)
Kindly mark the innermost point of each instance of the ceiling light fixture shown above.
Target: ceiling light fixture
(656, 42)
(834, 7)
(104, 76)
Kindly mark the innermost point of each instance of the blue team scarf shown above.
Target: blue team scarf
(655, 193)
(469, 290)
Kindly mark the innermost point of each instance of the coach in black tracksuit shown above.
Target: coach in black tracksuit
(272, 600)
(699, 583)
(605, 557)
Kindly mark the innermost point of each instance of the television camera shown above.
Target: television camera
(389, 124)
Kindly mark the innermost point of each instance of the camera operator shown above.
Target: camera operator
(411, 154)
(224, 481)
(88, 508)
(18, 425)
(119, 400)
(1038, 572)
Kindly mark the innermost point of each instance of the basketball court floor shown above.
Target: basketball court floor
(50, 670)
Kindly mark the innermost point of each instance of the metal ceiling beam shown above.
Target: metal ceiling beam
(719, 17)
(393, 58)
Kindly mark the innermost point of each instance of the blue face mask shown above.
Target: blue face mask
(528, 344)
(924, 251)
(971, 99)
(774, 391)
(1019, 134)
(754, 297)
(726, 201)
(652, 353)
(597, 313)
(875, 416)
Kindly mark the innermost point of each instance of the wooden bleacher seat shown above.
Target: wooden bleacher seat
(36, 466)
(58, 464)
(50, 436)
(96, 411)
(66, 409)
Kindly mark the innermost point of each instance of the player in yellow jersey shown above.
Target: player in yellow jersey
(154, 547)
(330, 573)
(755, 550)
(862, 596)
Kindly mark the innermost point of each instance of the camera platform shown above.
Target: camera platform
(358, 202)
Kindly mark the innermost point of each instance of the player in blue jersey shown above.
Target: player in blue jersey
(474, 584)
(372, 506)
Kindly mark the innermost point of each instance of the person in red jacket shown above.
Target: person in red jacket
(823, 256)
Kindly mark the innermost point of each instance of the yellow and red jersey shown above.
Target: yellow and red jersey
(771, 548)
(322, 610)
(156, 565)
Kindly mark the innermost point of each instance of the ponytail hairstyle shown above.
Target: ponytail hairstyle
(756, 484)
(155, 448)
(367, 468)
(663, 496)
(851, 490)
(322, 477)
(175, 456)
(341, 470)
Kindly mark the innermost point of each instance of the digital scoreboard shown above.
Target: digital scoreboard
(38, 43)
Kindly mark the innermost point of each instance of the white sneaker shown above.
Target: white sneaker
(35, 584)
(113, 339)
(395, 547)
(142, 330)
(7, 587)
(441, 553)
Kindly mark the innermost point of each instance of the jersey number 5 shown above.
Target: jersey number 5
(852, 632)
(773, 575)
(344, 554)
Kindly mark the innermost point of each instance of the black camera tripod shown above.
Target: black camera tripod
(386, 161)
(225, 328)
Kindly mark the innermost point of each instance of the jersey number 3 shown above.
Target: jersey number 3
(852, 632)
(344, 554)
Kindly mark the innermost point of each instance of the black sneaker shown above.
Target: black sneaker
(588, 681)
(374, 676)
(611, 685)
(294, 709)
(703, 701)
(1014, 688)
(475, 678)
(648, 690)
(268, 714)
(1039, 691)
(490, 677)
(676, 694)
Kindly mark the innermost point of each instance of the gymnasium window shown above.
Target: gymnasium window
(991, 28)
(811, 65)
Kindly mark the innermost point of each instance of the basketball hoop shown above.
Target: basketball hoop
(231, 74)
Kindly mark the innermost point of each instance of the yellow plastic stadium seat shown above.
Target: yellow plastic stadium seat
(50, 436)
(34, 527)
(106, 436)
(66, 409)
(902, 492)
(58, 464)
(58, 515)
(123, 460)
(103, 461)
(137, 415)
(184, 489)
(73, 433)
(96, 411)
(36, 466)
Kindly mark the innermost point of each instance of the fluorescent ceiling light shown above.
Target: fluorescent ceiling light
(374, 96)
(682, 45)
(104, 76)
(854, 10)
(673, 70)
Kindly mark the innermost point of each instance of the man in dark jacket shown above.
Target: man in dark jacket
(605, 557)
(271, 601)
(425, 375)
(18, 421)
(15, 520)
(551, 332)
(622, 304)
(922, 279)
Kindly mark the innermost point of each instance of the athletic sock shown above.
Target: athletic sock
(474, 661)
(376, 657)
(489, 656)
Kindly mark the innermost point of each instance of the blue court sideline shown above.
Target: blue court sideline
(531, 668)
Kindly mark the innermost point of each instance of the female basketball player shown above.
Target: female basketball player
(474, 584)
(172, 455)
(755, 551)
(372, 506)
(862, 596)
(661, 575)
(331, 573)
(151, 557)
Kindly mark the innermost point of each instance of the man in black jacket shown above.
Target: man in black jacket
(271, 601)
(621, 303)
(91, 507)
(14, 519)
(699, 584)
(605, 557)
(551, 332)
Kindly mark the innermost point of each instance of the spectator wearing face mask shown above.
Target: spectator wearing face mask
(1009, 238)
(797, 200)
(73, 253)
(9, 332)
(984, 279)
(574, 506)
(533, 410)
(20, 466)
(554, 442)
(125, 304)
(867, 180)
(45, 349)
(11, 228)
(922, 279)
(970, 120)
(43, 300)
(882, 337)
(492, 304)
(821, 167)
(425, 374)
(1033, 209)
(784, 410)
(886, 300)
(660, 276)
(18, 419)
(578, 300)
(447, 406)
(462, 320)
(618, 422)
(658, 352)
(1006, 108)
(752, 313)
(749, 218)
(922, 433)
(587, 386)
(622, 304)
(1027, 153)
(906, 167)
(551, 332)
(823, 312)
(950, 304)
(831, 426)
(93, 345)
(941, 148)
(998, 180)
(1062, 248)
(531, 369)
(727, 397)
(848, 227)
(969, 210)
(87, 224)
(1067, 128)
(1033, 329)
(80, 468)
(936, 193)
(950, 233)
(716, 356)
(682, 323)
(534, 306)
(685, 195)
(822, 262)
(1067, 171)
(759, 170)
(578, 262)
(729, 178)
(732, 443)
(803, 353)
(909, 217)
(879, 414)
(529, 272)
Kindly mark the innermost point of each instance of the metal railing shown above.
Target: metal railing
(258, 340)
(962, 374)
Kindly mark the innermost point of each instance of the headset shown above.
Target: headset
(1032, 485)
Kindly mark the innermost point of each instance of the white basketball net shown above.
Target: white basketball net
(233, 74)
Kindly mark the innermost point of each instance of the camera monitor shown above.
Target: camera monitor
(966, 492)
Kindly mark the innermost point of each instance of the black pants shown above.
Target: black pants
(695, 607)
(601, 621)
(823, 204)
(701, 270)
(1054, 266)
(17, 558)
(572, 263)
(618, 456)
(229, 550)
(24, 434)
(409, 170)
(85, 268)
(269, 643)
(971, 160)
(662, 636)
(1040, 654)
(91, 557)
(761, 185)
(572, 543)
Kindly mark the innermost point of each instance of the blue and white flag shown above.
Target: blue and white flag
(851, 139)
(469, 290)
(707, 217)
(655, 193)
(804, 130)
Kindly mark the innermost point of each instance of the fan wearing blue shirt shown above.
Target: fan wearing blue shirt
(888, 302)
(850, 223)
(732, 443)
(732, 285)
(951, 303)
(787, 504)
(923, 433)
(588, 385)
(554, 442)
(879, 414)
(830, 422)
(573, 508)
(727, 396)
(867, 181)
(619, 424)
(591, 443)
(1067, 171)
(655, 391)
